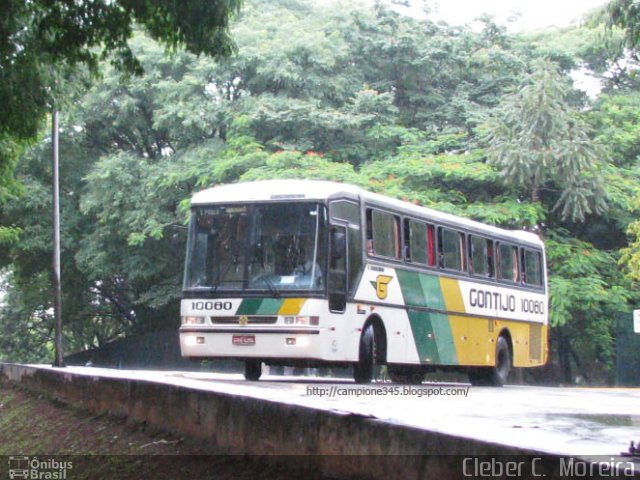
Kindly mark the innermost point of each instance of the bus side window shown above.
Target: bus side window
(345, 211)
(508, 264)
(463, 250)
(431, 245)
(337, 278)
(440, 253)
(383, 234)
(491, 263)
(369, 232)
(450, 249)
(531, 267)
(348, 211)
(406, 236)
(418, 239)
(480, 256)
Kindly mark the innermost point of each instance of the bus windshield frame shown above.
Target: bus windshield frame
(268, 248)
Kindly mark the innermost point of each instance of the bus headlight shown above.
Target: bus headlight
(192, 340)
(297, 341)
(190, 320)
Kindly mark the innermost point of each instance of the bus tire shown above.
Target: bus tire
(252, 370)
(405, 375)
(497, 375)
(500, 373)
(364, 370)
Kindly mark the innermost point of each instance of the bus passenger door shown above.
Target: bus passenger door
(337, 277)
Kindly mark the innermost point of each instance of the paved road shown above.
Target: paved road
(566, 421)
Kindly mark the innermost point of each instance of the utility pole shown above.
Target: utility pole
(57, 290)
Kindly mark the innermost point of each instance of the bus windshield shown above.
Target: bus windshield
(272, 247)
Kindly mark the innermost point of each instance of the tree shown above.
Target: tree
(354, 94)
(40, 39)
(538, 142)
(626, 15)
(440, 76)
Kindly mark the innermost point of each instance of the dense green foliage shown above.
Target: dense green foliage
(45, 43)
(483, 124)
(626, 15)
(537, 140)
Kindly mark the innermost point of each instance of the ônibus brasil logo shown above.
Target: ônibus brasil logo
(38, 469)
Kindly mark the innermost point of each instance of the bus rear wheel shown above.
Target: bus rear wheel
(498, 375)
(252, 370)
(364, 370)
(406, 375)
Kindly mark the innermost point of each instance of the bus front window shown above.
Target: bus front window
(271, 247)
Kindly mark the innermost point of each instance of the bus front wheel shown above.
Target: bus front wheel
(252, 370)
(364, 370)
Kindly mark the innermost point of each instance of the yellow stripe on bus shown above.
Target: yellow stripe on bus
(451, 294)
(291, 306)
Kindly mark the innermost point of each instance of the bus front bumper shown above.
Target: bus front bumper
(303, 343)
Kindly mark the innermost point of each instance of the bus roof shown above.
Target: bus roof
(282, 190)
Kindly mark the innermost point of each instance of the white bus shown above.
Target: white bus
(310, 273)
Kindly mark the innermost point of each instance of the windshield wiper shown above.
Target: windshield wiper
(272, 288)
(214, 288)
(221, 275)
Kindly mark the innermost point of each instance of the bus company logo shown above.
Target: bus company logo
(381, 286)
(37, 469)
(243, 320)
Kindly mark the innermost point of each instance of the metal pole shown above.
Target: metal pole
(57, 291)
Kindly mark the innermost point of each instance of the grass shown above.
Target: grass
(102, 447)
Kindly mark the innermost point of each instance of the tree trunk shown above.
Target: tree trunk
(535, 188)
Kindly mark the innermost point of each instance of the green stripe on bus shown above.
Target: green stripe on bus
(249, 306)
(444, 338)
(270, 306)
(432, 292)
(421, 290)
(423, 336)
(431, 331)
(433, 338)
(411, 288)
(260, 306)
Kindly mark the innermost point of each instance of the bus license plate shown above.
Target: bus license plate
(244, 340)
